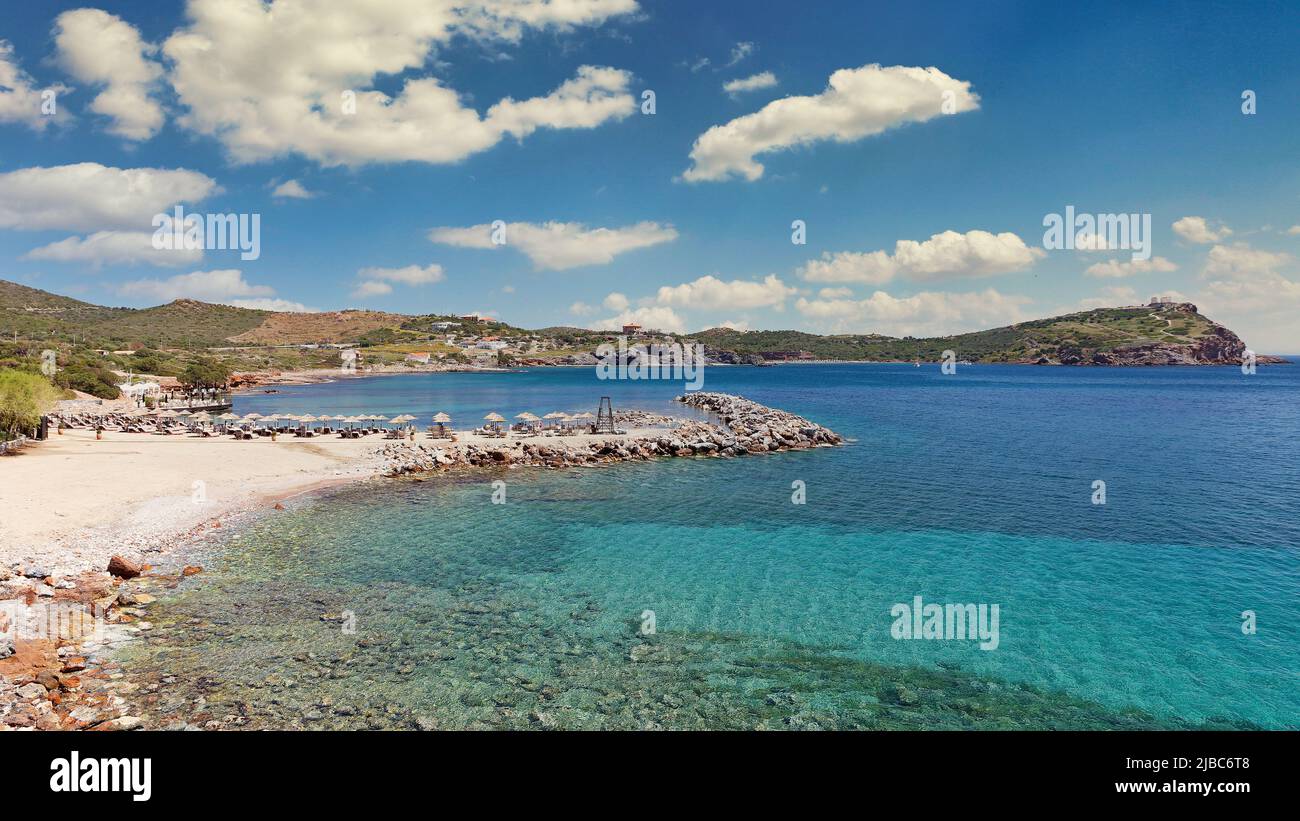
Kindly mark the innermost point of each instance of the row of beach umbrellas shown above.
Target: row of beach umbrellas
(438, 418)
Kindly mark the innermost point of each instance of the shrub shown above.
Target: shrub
(24, 398)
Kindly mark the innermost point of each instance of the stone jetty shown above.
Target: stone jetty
(744, 427)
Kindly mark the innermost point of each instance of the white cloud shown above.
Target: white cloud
(101, 49)
(615, 302)
(1092, 242)
(271, 305)
(1241, 262)
(835, 293)
(268, 79)
(292, 189)
(20, 99)
(740, 51)
(376, 280)
(1115, 269)
(1112, 296)
(924, 314)
(757, 82)
(944, 255)
(560, 245)
(857, 103)
(114, 248)
(89, 197)
(734, 324)
(654, 317)
(1196, 229)
(408, 275)
(582, 309)
(710, 293)
(227, 287)
(1247, 291)
(1293, 230)
(371, 288)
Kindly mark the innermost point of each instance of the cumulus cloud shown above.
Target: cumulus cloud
(1112, 296)
(101, 49)
(710, 293)
(375, 281)
(1198, 230)
(1093, 242)
(1293, 230)
(615, 302)
(1242, 262)
(227, 287)
(20, 99)
(756, 82)
(268, 79)
(857, 103)
(651, 317)
(560, 245)
(88, 196)
(945, 255)
(928, 313)
(408, 275)
(371, 288)
(1115, 269)
(114, 248)
(581, 308)
(1247, 290)
(292, 189)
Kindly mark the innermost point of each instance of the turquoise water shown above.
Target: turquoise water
(972, 488)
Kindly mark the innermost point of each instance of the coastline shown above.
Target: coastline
(109, 521)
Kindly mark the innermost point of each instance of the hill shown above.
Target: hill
(1168, 334)
(326, 326)
(1164, 334)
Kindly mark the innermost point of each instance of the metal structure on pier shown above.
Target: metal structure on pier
(605, 416)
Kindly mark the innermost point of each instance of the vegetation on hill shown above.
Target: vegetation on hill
(165, 339)
(1068, 338)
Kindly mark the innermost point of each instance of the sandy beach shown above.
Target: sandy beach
(71, 502)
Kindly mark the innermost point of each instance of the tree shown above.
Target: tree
(89, 377)
(24, 399)
(205, 374)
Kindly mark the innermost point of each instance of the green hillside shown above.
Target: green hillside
(1170, 333)
(1069, 338)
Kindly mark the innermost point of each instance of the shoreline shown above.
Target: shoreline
(133, 499)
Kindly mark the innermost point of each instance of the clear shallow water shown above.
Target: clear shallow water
(971, 488)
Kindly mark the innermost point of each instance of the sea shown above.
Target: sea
(1134, 529)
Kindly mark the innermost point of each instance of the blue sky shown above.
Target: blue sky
(1097, 105)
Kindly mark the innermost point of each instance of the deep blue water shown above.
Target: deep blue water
(975, 487)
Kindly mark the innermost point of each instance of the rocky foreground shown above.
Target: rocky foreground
(745, 427)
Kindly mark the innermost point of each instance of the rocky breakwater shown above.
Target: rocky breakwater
(747, 427)
(755, 428)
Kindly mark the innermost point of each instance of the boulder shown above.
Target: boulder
(123, 568)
